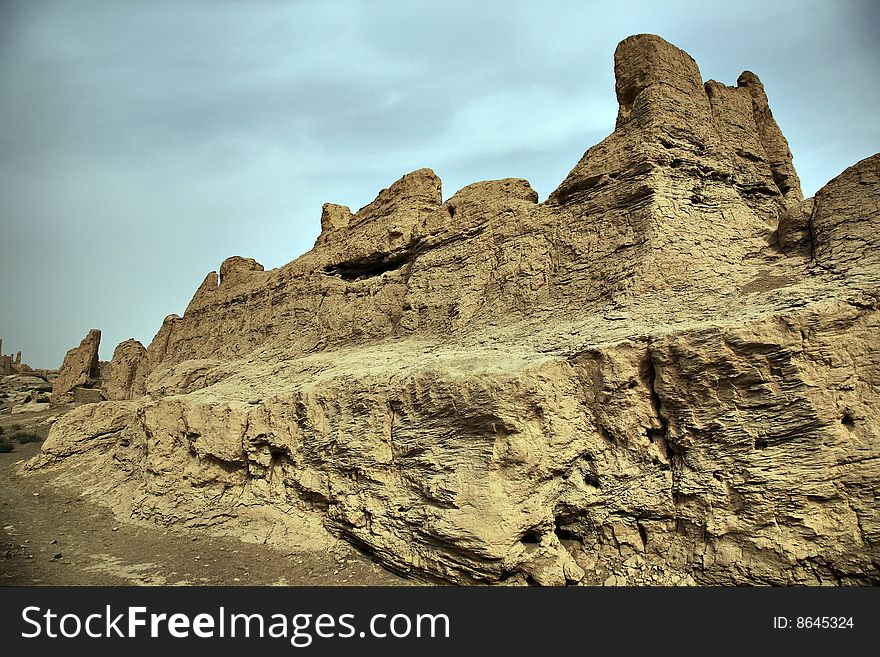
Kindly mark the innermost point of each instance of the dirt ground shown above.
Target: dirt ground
(49, 536)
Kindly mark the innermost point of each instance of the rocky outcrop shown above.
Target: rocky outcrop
(236, 270)
(79, 369)
(87, 428)
(845, 221)
(125, 378)
(775, 146)
(334, 219)
(205, 290)
(664, 373)
(692, 182)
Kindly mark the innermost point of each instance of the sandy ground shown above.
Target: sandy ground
(49, 536)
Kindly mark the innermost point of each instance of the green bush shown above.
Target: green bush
(24, 438)
(6, 447)
(16, 427)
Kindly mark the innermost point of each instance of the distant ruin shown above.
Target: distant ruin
(10, 364)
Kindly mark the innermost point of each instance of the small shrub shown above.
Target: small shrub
(16, 427)
(6, 447)
(24, 438)
(2, 429)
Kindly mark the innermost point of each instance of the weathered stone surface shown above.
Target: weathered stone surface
(86, 428)
(125, 378)
(235, 270)
(80, 368)
(686, 184)
(334, 218)
(204, 292)
(648, 378)
(845, 222)
(794, 235)
(87, 395)
(773, 141)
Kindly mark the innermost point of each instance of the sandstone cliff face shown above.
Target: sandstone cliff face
(665, 373)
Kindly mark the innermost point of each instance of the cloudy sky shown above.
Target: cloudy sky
(142, 142)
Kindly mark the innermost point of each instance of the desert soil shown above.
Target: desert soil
(51, 536)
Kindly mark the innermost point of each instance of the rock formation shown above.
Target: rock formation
(664, 373)
(333, 218)
(844, 220)
(125, 378)
(79, 369)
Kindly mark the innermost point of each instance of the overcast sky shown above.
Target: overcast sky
(141, 143)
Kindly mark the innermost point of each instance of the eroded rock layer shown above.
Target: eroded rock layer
(665, 373)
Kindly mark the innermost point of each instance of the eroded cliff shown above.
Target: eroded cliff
(664, 373)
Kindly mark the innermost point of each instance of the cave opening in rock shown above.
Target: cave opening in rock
(370, 266)
(531, 537)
